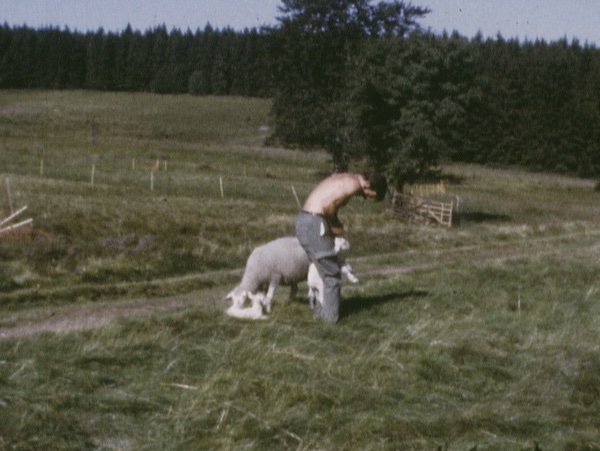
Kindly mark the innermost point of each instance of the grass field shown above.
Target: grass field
(112, 328)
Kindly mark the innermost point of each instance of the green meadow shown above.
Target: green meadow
(112, 327)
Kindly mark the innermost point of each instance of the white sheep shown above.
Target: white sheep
(279, 262)
(315, 282)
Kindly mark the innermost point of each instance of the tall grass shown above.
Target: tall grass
(481, 336)
(435, 359)
(132, 224)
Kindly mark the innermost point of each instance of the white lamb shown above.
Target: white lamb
(315, 283)
(253, 312)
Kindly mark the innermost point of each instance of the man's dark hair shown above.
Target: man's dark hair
(378, 184)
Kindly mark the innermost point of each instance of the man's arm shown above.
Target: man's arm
(337, 228)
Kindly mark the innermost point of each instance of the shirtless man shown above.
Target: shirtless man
(318, 224)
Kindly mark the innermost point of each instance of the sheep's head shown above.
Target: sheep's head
(238, 297)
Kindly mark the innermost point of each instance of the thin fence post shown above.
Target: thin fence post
(296, 196)
(9, 194)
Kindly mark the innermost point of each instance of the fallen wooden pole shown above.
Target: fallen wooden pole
(17, 225)
(14, 215)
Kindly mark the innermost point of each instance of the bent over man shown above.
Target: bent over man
(318, 224)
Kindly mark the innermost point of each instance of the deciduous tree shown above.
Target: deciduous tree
(318, 43)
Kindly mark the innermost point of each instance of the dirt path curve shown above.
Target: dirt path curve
(86, 316)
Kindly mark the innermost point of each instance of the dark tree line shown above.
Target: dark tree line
(207, 62)
(536, 105)
(358, 79)
(427, 99)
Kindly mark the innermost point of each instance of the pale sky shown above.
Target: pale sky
(522, 19)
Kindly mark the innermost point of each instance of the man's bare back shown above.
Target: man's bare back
(335, 192)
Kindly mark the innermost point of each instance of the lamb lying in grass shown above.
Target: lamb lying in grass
(315, 282)
(279, 262)
(253, 312)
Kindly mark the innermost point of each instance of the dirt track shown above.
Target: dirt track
(87, 316)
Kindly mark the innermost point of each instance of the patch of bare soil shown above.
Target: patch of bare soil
(88, 316)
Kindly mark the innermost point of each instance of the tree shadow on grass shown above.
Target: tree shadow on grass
(354, 304)
(479, 217)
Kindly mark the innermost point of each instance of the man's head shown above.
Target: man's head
(377, 188)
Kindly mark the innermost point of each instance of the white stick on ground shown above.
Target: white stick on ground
(14, 215)
(16, 226)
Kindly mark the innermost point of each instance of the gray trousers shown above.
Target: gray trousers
(315, 236)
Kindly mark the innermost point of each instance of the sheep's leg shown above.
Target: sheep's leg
(315, 289)
(258, 300)
(319, 289)
(311, 298)
(319, 296)
(293, 291)
(347, 270)
(269, 297)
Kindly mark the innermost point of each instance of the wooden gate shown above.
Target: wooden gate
(418, 209)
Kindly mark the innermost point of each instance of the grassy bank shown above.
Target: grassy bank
(481, 336)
